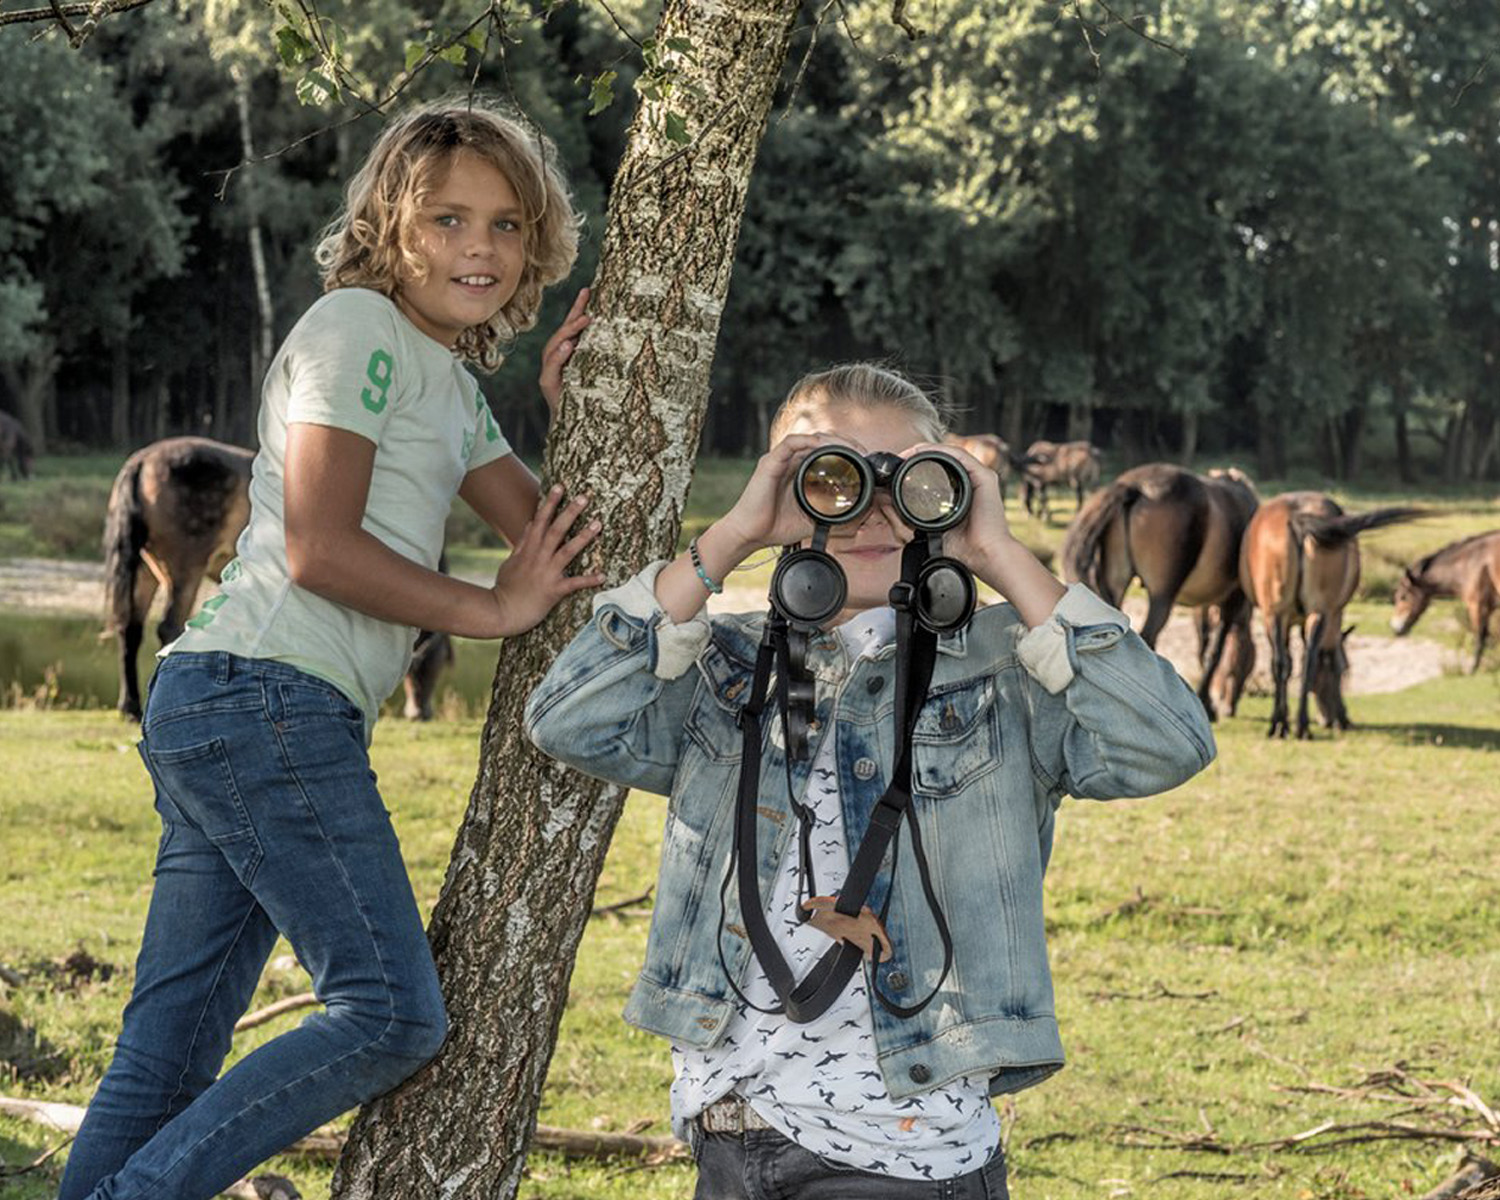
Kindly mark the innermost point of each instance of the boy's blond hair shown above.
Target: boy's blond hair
(371, 243)
(860, 385)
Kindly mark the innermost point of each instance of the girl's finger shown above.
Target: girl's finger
(570, 549)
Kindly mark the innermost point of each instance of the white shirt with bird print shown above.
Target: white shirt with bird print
(819, 1084)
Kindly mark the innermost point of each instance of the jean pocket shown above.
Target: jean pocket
(296, 700)
(199, 783)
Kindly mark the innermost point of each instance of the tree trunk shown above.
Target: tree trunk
(119, 395)
(1080, 422)
(521, 880)
(1189, 448)
(262, 347)
(30, 383)
(1401, 402)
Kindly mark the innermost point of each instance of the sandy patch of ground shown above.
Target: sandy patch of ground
(55, 587)
(1376, 664)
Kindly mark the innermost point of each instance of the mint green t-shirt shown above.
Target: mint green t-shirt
(352, 362)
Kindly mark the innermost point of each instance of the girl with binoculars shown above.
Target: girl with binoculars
(881, 1089)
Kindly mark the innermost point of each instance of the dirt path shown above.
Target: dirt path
(55, 587)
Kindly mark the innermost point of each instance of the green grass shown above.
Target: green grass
(1317, 911)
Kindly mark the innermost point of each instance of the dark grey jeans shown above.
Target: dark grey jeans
(763, 1165)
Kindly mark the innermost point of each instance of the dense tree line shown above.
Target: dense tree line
(1260, 229)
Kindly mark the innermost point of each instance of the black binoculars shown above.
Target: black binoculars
(930, 491)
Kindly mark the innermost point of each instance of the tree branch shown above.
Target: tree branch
(60, 12)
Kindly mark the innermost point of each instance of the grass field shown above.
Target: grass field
(1298, 918)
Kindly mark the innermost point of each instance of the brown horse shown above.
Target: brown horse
(1179, 534)
(989, 450)
(1300, 565)
(1075, 464)
(15, 447)
(176, 510)
(1469, 569)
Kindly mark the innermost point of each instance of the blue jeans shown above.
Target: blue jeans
(271, 822)
(764, 1165)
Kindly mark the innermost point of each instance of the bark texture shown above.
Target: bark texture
(521, 880)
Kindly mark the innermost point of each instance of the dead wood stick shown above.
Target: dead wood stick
(619, 906)
(36, 1163)
(271, 1011)
(1471, 1172)
(263, 1187)
(570, 1143)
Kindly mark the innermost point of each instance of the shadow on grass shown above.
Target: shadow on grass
(1465, 737)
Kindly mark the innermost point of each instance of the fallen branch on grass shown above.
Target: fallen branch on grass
(36, 1163)
(570, 1143)
(1473, 1173)
(1159, 991)
(623, 908)
(271, 1011)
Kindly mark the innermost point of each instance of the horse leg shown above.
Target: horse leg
(1309, 672)
(1229, 612)
(182, 594)
(1279, 633)
(1480, 611)
(130, 629)
(1157, 613)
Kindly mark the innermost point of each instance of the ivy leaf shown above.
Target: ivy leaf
(681, 45)
(476, 38)
(676, 129)
(453, 54)
(414, 52)
(602, 92)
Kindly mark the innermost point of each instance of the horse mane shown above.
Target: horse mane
(1425, 563)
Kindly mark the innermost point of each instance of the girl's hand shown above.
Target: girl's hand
(767, 513)
(974, 542)
(559, 349)
(534, 578)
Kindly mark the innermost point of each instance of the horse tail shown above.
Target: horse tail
(1336, 531)
(125, 536)
(1085, 538)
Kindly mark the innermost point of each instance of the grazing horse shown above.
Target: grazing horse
(1075, 464)
(1237, 662)
(989, 450)
(1179, 534)
(1299, 563)
(15, 447)
(1469, 569)
(176, 510)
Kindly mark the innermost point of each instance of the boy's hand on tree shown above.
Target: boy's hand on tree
(534, 578)
(767, 512)
(559, 350)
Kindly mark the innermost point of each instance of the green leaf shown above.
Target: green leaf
(414, 53)
(476, 38)
(316, 88)
(676, 129)
(453, 54)
(681, 45)
(602, 92)
(647, 88)
(291, 47)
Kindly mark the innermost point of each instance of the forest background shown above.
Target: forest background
(1261, 230)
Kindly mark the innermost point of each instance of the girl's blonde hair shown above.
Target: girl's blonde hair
(372, 243)
(860, 385)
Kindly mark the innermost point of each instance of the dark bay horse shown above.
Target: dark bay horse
(1468, 569)
(1299, 564)
(1072, 464)
(176, 510)
(1179, 534)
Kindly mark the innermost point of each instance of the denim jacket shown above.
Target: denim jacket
(1014, 720)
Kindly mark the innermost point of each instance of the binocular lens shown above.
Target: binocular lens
(832, 485)
(930, 491)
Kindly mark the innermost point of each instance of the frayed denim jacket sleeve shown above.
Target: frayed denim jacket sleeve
(1110, 717)
(615, 702)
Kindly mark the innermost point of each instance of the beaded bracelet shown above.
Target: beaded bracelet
(715, 588)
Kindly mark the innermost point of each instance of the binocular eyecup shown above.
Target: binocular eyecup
(930, 490)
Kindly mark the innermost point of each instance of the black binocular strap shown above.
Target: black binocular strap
(825, 982)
